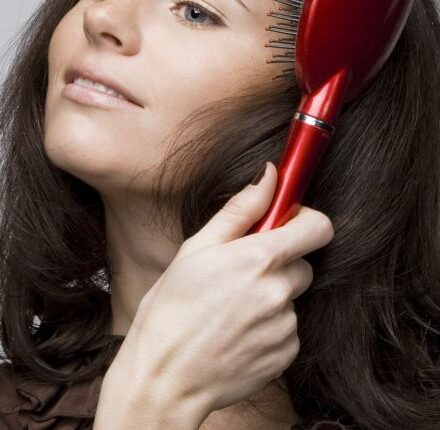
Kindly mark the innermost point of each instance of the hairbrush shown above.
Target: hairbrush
(335, 49)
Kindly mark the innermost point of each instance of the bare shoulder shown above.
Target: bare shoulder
(272, 411)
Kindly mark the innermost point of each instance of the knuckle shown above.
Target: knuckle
(234, 206)
(277, 299)
(326, 226)
(285, 356)
(292, 322)
(294, 349)
(286, 286)
(289, 326)
(262, 257)
(308, 270)
(291, 352)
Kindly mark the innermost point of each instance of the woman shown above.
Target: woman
(100, 200)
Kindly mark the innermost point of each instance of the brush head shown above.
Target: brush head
(288, 17)
(356, 35)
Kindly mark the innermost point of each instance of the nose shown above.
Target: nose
(113, 27)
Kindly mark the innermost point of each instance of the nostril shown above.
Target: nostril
(109, 36)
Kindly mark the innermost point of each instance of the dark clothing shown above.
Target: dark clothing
(32, 405)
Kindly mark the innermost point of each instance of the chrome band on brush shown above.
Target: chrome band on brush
(315, 122)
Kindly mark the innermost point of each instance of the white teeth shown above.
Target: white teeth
(97, 86)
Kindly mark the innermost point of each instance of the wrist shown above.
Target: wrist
(171, 406)
(170, 413)
(160, 407)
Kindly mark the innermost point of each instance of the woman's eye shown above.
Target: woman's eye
(196, 15)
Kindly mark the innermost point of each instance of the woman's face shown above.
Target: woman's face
(172, 56)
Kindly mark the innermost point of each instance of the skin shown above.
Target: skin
(153, 44)
(174, 64)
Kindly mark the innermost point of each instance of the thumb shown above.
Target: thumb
(238, 214)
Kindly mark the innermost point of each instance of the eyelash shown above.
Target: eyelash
(211, 15)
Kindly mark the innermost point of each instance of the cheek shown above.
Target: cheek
(64, 39)
(194, 77)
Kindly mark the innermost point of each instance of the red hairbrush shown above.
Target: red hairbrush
(338, 47)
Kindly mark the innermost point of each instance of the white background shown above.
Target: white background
(13, 13)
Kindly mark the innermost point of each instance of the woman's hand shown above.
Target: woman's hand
(220, 324)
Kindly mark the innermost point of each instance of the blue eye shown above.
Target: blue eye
(197, 15)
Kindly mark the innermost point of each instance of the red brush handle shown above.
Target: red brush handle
(305, 146)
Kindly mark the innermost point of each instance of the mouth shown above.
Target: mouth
(90, 86)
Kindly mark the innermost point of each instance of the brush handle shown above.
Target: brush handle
(310, 132)
(305, 146)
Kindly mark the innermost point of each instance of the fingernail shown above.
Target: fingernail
(259, 176)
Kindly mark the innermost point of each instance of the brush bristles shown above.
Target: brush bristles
(289, 26)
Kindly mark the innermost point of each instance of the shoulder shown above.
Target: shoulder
(271, 410)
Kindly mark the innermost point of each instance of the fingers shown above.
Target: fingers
(307, 232)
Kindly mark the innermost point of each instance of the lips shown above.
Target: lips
(93, 74)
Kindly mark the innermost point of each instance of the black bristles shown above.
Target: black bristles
(288, 25)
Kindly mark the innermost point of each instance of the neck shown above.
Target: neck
(139, 253)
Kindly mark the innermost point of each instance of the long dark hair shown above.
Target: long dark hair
(369, 325)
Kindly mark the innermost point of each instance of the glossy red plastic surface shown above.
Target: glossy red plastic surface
(340, 48)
